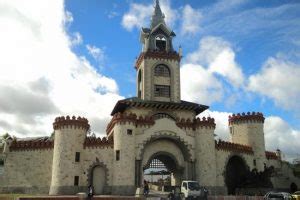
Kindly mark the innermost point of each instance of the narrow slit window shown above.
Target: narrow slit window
(117, 154)
(76, 180)
(77, 157)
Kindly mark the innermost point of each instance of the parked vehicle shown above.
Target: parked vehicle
(278, 196)
(192, 190)
(296, 195)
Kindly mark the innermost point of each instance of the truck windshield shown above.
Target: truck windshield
(193, 186)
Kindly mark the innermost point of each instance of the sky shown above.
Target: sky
(77, 58)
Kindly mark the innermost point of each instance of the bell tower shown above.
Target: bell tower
(158, 65)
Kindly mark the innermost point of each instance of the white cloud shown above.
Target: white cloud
(199, 85)
(97, 53)
(279, 134)
(139, 15)
(191, 19)
(76, 39)
(40, 76)
(278, 80)
(219, 57)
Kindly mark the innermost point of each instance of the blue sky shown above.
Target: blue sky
(256, 30)
(77, 57)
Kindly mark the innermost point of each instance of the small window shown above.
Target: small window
(254, 162)
(184, 185)
(162, 70)
(77, 156)
(162, 91)
(76, 180)
(129, 131)
(161, 43)
(117, 154)
(231, 130)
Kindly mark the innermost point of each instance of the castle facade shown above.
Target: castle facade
(155, 125)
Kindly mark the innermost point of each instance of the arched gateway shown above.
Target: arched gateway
(172, 153)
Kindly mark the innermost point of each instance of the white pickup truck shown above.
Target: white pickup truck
(192, 190)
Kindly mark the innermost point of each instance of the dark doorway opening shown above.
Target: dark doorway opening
(293, 188)
(235, 176)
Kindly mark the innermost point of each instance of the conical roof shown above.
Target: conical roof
(157, 16)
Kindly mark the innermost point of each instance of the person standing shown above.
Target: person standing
(146, 188)
(90, 192)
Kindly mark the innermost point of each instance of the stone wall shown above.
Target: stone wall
(27, 172)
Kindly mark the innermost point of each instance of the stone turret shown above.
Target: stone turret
(204, 134)
(70, 134)
(247, 129)
(124, 127)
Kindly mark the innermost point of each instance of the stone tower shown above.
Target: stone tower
(248, 129)
(158, 76)
(69, 137)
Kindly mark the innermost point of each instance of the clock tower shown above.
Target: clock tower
(158, 65)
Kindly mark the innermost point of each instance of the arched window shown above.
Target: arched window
(161, 70)
(160, 43)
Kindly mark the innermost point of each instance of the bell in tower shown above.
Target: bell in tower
(158, 66)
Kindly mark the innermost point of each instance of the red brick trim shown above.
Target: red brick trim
(196, 123)
(233, 147)
(271, 155)
(93, 142)
(249, 117)
(157, 55)
(131, 118)
(80, 122)
(31, 145)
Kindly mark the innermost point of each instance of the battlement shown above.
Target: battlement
(233, 147)
(34, 144)
(245, 118)
(131, 118)
(271, 155)
(79, 122)
(196, 123)
(93, 142)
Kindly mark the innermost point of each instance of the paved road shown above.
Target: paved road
(157, 195)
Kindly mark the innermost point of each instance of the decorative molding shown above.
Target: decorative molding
(233, 147)
(157, 55)
(62, 122)
(249, 117)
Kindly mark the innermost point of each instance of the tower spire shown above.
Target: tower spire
(157, 16)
